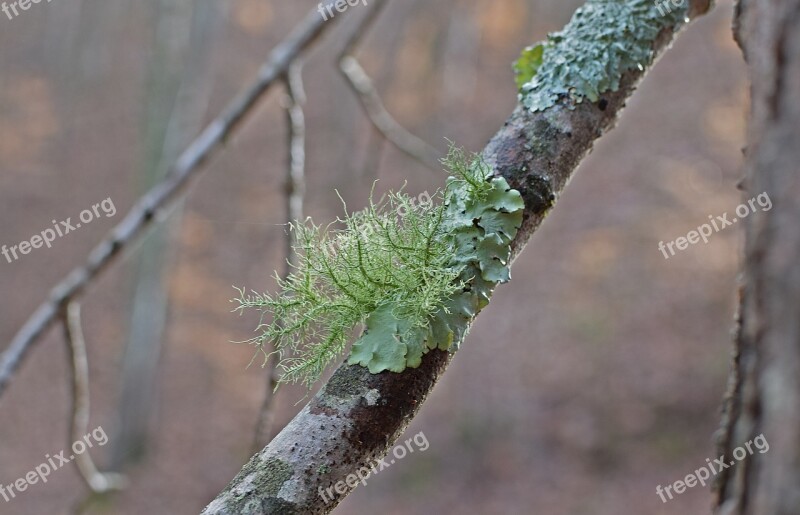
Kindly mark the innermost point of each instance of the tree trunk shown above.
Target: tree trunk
(177, 94)
(764, 396)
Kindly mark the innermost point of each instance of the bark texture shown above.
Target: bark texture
(358, 416)
(764, 394)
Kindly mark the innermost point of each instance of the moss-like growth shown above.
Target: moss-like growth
(275, 473)
(604, 39)
(413, 274)
(267, 479)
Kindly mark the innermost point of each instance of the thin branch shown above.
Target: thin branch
(155, 203)
(295, 184)
(731, 402)
(98, 482)
(371, 102)
(295, 191)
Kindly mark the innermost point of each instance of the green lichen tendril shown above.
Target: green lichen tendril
(604, 39)
(411, 274)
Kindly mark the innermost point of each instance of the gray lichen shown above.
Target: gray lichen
(255, 489)
(275, 473)
(604, 39)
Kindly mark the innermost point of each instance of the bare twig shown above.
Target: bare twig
(731, 402)
(295, 190)
(161, 197)
(98, 482)
(295, 184)
(371, 102)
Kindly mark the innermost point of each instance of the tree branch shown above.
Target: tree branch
(371, 102)
(357, 416)
(98, 482)
(156, 202)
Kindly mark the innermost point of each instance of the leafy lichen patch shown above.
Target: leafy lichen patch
(480, 219)
(604, 39)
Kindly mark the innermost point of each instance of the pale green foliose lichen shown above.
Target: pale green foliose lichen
(413, 274)
(479, 222)
(604, 39)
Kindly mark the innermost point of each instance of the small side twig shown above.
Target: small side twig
(358, 79)
(295, 192)
(98, 482)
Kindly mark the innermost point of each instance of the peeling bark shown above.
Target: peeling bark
(767, 370)
(358, 416)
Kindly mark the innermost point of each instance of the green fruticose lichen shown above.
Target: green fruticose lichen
(604, 39)
(413, 275)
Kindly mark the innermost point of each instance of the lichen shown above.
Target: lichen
(257, 485)
(274, 473)
(481, 218)
(604, 39)
(413, 274)
(344, 385)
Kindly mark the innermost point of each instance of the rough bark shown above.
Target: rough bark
(357, 416)
(765, 394)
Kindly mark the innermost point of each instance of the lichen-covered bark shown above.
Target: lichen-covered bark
(358, 416)
(764, 397)
(351, 422)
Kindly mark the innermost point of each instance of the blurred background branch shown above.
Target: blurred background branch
(370, 99)
(98, 483)
(163, 196)
(295, 191)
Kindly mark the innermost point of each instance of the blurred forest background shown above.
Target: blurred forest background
(594, 376)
